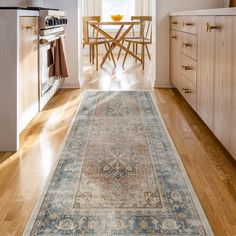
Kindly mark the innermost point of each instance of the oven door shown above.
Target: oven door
(46, 42)
(46, 82)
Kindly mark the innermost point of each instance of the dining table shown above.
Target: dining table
(123, 29)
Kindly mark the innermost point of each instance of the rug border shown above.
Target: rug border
(30, 224)
(199, 208)
(196, 201)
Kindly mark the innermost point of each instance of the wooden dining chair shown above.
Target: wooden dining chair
(92, 38)
(141, 36)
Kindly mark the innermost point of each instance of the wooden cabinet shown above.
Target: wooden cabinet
(175, 62)
(189, 24)
(189, 45)
(208, 74)
(176, 22)
(205, 81)
(28, 69)
(224, 81)
(183, 57)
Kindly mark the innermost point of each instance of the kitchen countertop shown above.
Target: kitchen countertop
(19, 11)
(208, 12)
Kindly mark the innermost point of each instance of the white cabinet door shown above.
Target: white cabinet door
(28, 68)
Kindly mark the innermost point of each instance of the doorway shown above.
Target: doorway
(128, 75)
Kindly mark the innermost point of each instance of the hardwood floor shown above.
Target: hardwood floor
(211, 170)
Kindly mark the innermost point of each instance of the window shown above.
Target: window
(123, 7)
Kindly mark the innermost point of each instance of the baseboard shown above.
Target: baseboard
(164, 85)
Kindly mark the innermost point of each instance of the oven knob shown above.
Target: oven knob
(65, 21)
(60, 21)
(55, 21)
(49, 22)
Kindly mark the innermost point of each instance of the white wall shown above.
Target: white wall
(164, 7)
(10, 3)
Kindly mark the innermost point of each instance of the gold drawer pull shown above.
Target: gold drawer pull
(31, 27)
(174, 37)
(184, 90)
(187, 68)
(185, 45)
(187, 24)
(175, 22)
(209, 27)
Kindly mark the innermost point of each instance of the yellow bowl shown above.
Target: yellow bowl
(117, 17)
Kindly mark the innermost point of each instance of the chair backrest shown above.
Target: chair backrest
(145, 29)
(86, 32)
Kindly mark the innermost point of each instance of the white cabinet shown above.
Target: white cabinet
(19, 74)
(28, 67)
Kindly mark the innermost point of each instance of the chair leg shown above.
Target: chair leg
(134, 48)
(92, 48)
(146, 46)
(120, 50)
(136, 52)
(107, 51)
(90, 53)
(126, 54)
(143, 56)
(96, 57)
(110, 52)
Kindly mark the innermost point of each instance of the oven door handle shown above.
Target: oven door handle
(44, 41)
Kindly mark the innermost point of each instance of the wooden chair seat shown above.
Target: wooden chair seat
(138, 40)
(94, 41)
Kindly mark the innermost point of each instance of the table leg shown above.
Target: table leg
(116, 42)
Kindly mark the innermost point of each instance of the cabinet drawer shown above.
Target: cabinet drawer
(189, 45)
(189, 24)
(189, 92)
(176, 22)
(189, 68)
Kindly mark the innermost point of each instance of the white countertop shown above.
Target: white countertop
(20, 12)
(27, 13)
(207, 12)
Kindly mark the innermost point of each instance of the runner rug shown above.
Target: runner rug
(118, 174)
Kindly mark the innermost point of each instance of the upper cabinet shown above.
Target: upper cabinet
(208, 65)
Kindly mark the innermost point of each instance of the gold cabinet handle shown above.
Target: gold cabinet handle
(175, 22)
(186, 68)
(185, 45)
(185, 90)
(43, 41)
(31, 27)
(174, 37)
(187, 24)
(209, 27)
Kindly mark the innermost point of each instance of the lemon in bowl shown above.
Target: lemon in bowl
(117, 17)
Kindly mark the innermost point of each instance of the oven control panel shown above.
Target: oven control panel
(55, 21)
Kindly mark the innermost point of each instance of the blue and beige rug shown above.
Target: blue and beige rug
(118, 174)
